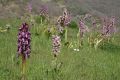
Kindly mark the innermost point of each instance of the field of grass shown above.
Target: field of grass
(87, 64)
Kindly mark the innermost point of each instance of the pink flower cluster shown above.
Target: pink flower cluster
(24, 39)
(65, 19)
(43, 10)
(82, 28)
(56, 44)
(29, 7)
(109, 27)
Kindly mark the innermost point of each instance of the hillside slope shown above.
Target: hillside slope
(97, 7)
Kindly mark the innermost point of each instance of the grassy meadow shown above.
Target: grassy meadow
(86, 64)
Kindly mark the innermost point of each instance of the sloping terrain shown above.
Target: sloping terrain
(76, 7)
(108, 7)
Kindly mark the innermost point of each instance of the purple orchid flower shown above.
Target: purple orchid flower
(56, 44)
(29, 7)
(108, 27)
(82, 28)
(65, 19)
(43, 10)
(24, 39)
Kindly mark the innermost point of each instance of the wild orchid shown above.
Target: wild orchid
(108, 27)
(28, 16)
(24, 47)
(82, 30)
(29, 7)
(43, 10)
(63, 21)
(93, 31)
(56, 45)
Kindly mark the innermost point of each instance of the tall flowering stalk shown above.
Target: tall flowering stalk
(56, 45)
(29, 7)
(66, 22)
(92, 32)
(63, 21)
(66, 17)
(82, 30)
(112, 25)
(24, 48)
(105, 28)
(43, 10)
(44, 14)
(28, 16)
(108, 27)
(94, 23)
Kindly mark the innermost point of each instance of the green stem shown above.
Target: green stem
(66, 31)
(23, 67)
(81, 42)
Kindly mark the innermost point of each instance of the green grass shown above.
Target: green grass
(87, 64)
